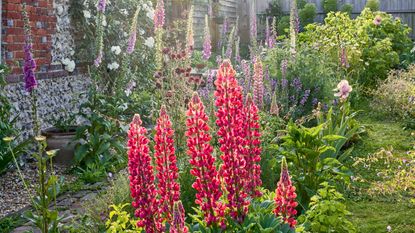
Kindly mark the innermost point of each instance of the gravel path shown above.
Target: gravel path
(13, 195)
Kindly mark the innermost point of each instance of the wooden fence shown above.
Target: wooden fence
(404, 9)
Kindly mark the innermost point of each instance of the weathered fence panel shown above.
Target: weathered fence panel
(404, 9)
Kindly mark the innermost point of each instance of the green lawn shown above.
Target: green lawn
(375, 214)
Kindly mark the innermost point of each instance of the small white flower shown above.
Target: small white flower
(389, 228)
(149, 42)
(87, 14)
(69, 64)
(104, 22)
(141, 31)
(113, 66)
(150, 13)
(116, 50)
(124, 11)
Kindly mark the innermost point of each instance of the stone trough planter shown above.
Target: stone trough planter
(62, 141)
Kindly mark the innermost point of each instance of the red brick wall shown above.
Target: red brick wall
(43, 26)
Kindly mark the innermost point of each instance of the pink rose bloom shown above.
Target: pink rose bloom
(343, 89)
(377, 20)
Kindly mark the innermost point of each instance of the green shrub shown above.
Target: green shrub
(372, 50)
(306, 150)
(307, 14)
(283, 25)
(396, 95)
(373, 5)
(330, 5)
(347, 8)
(327, 213)
(274, 9)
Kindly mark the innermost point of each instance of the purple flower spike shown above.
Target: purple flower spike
(131, 42)
(98, 60)
(29, 69)
(101, 5)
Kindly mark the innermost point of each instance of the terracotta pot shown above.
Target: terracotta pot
(62, 141)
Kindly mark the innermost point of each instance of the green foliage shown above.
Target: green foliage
(396, 96)
(6, 126)
(373, 5)
(340, 121)
(318, 77)
(120, 221)
(307, 14)
(92, 173)
(283, 25)
(45, 218)
(275, 9)
(347, 8)
(372, 50)
(102, 137)
(8, 224)
(306, 149)
(330, 6)
(327, 212)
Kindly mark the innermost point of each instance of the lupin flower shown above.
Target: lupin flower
(166, 165)
(102, 5)
(178, 225)
(246, 70)
(305, 97)
(207, 43)
(294, 26)
(231, 39)
(207, 183)
(285, 197)
(237, 50)
(252, 148)
(190, 42)
(133, 33)
(29, 66)
(258, 83)
(230, 120)
(143, 190)
(343, 90)
(343, 58)
(159, 15)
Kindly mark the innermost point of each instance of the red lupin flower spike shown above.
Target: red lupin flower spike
(207, 183)
(285, 197)
(166, 165)
(178, 225)
(230, 120)
(252, 150)
(142, 187)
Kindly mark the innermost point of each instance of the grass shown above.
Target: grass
(376, 214)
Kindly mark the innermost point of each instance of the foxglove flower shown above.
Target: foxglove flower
(252, 148)
(285, 197)
(190, 42)
(343, 90)
(284, 65)
(178, 225)
(230, 120)
(258, 83)
(274, 109)
(101, 5)
(207, 46)
(159, 15)
(143, 190)
(237, 50)
(246, 70)
(98, 60)
(133, 33)
(206, 183)
(377, 20)
(29, 66)
(231, 38)
(270, 33)
(166, 165)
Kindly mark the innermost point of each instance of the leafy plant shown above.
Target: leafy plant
(373, 5)
(92, 173)
(327, 213)
(340, 121)
(120, 221)
(307, 14)
(347, 8)
(306, 149)
(6, 126)
(330, 5)
(396, 95)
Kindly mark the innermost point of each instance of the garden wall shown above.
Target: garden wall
(61, 83)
